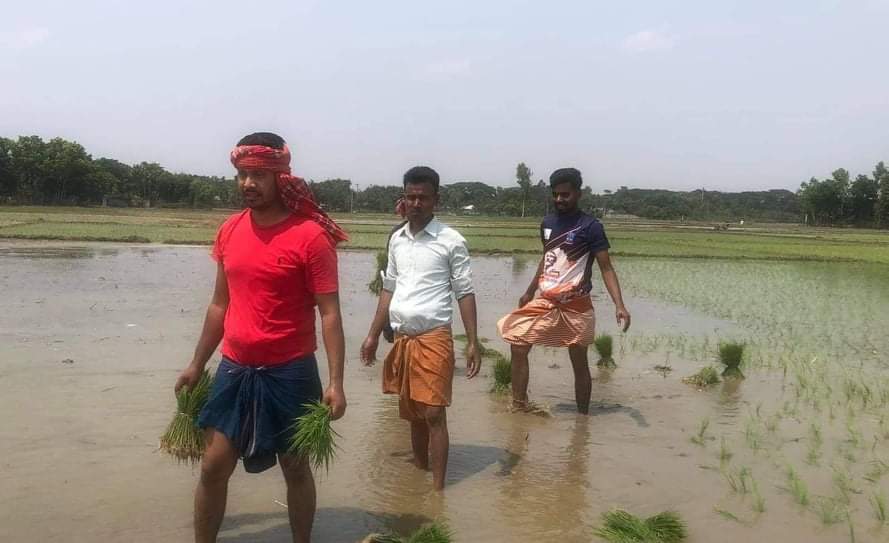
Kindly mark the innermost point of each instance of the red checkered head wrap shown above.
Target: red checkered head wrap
(294, 191)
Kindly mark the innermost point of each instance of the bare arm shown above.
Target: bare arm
(461, 285)
(609, 276)
(211, 334)
(372, 341)
(469, 315)
(335, 346)
(381, 317)
(532, 288)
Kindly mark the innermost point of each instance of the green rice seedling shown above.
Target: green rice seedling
(604, 345)
(502, 373)
(759, 503)
(376, 284)
(797, 487)
(434, 532)
(312, 437)
(667, 527)
(183, 439)
(877, 470)
(753, 435)
(728, 515)
(848, 454)
(619, 526)
(884, 395)
(725, 455)
(815, 435)
(700, 436)
(842, 481)
(854, 434)
(830, 511)
(738, 482)
(705, 377)
(772, 422)
(813, 454)
(879, 505)
(731, 355)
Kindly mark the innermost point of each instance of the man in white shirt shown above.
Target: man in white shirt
(428, 263)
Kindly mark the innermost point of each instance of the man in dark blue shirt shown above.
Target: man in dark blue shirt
(562, 316)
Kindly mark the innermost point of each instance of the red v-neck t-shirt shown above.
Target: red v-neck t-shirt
(273, 273)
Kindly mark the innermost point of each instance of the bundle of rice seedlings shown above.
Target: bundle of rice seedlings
(731, 355)
(376, 285)
(705, 377)
(502, 373)
(434, 532)
(605, 347)
(183, 439)
(313, 438)
(619, 526)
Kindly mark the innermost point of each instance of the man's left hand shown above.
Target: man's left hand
(623, 318)
(335, 398)
(473, 360)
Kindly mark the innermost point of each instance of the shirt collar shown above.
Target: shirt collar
(433, 228)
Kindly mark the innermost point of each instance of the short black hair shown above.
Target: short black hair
(566, 175)
(267, 139)
(421, 174)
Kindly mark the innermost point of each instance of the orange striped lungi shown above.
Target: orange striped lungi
(420, 369)
(544, 322)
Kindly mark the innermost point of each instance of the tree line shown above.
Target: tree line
(61, 172)
(839, 200)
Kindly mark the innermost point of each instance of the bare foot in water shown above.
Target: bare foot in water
(418, 464)
(529, 407)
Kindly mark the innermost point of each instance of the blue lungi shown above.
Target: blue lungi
(255, 407)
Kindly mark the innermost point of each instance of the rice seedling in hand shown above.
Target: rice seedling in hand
(376, 285)
(313, 438)
(434, 532)
(619, 526)
(605, 347)
(183, 439)
(731, 355)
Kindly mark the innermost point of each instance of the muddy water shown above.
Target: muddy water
(92, 337)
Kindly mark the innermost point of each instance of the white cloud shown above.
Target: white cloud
(24, 38)
(649, 40)
(449, 68)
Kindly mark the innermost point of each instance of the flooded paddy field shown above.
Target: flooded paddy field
(92, 337)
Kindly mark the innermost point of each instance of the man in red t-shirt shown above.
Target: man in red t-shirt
(276, 262)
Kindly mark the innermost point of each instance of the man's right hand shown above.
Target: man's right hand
(369, 350)
(189, 377)
(526, 299)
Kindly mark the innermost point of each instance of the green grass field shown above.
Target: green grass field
(486, 235)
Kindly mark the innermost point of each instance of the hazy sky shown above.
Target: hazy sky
(656, 94)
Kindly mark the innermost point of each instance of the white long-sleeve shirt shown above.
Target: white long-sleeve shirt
(424, 270)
